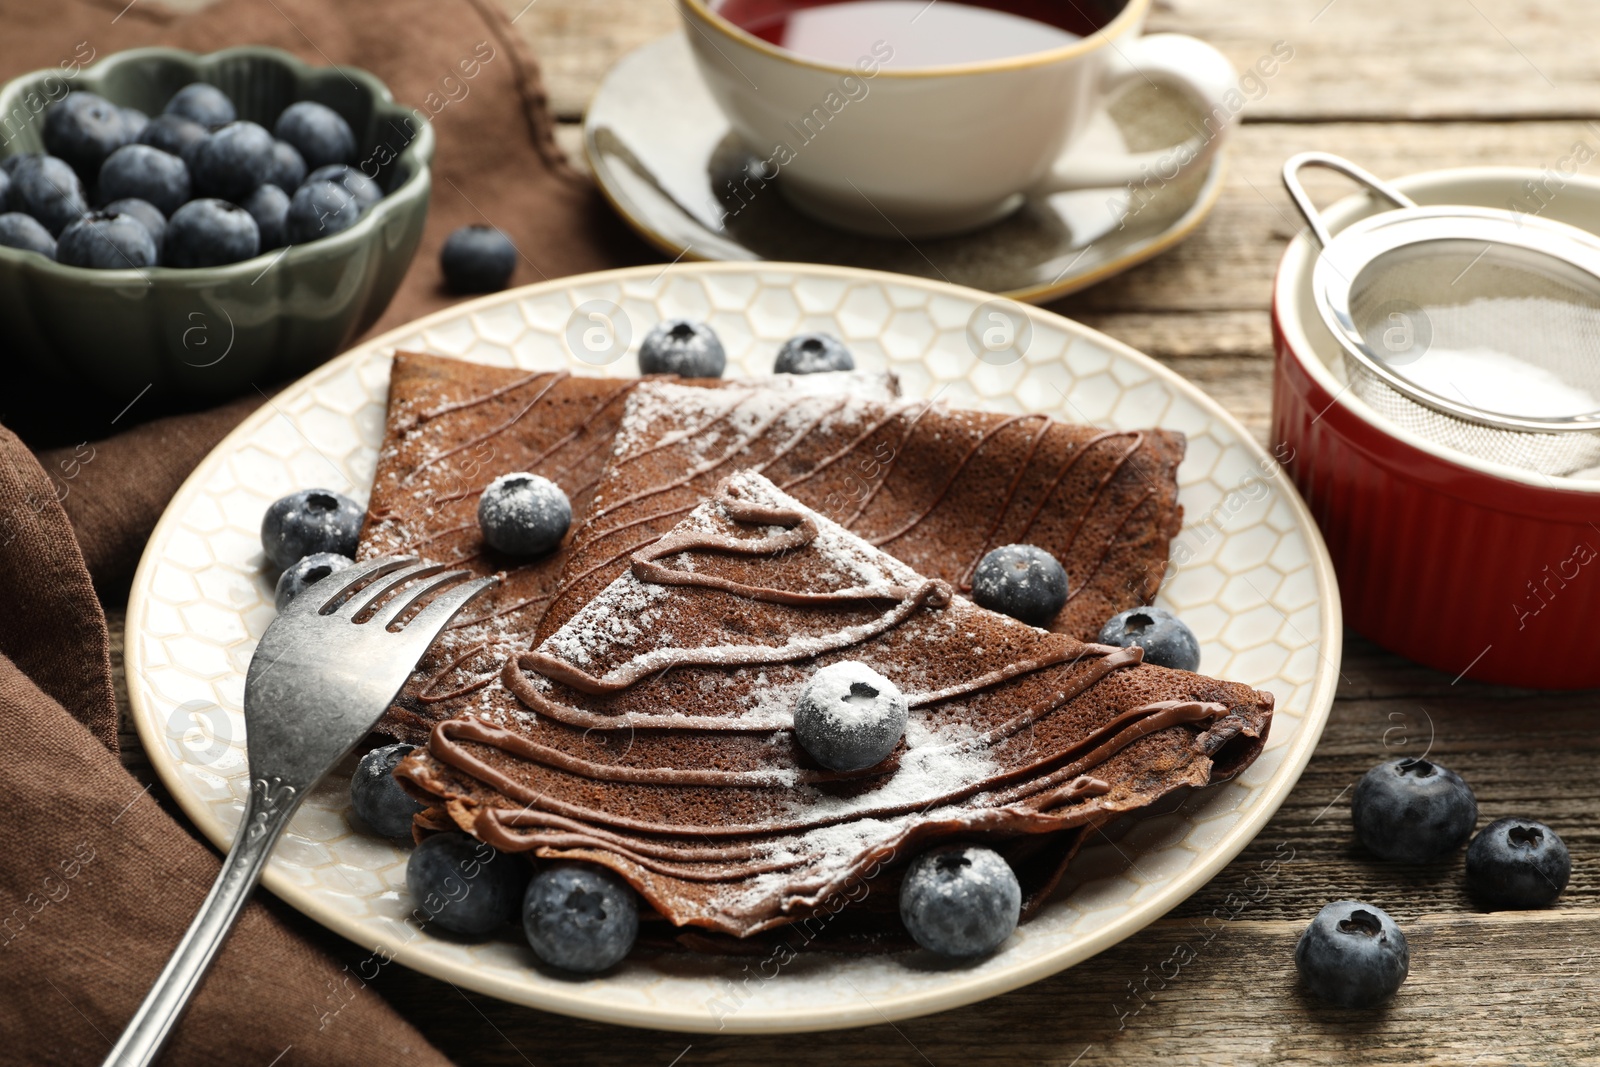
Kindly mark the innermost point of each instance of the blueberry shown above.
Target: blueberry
(83, 129)
(1166, 640)
(310, 521)
(210, 233)
(23, 231)
(320, 209)
(305, 572)
(269, 206)
(1352, 955)
(319, 133)
(148, 215)
(477, 259)
(1516, 864)
(464, 885)
(105, 241)
(849, 717)
(960, 901)
(580, 917)
(11, 163)
(812, 353)
(1413, 810)
(202, 103)
(684, 347)
(232, 161)
(377, 796)
(523, 514)
(49, 190)
(136, 121)
(174, 135)
(5, 187)
(288, 171)
(366, 191)
(1022, 581)
(146, 173)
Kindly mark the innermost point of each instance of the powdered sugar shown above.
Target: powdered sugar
(613, 630)
(711, 423)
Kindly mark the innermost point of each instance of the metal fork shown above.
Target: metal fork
(317, 684)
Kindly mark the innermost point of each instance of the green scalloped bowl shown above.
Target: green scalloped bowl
(214, 332)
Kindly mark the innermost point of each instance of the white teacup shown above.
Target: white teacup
(941, 149)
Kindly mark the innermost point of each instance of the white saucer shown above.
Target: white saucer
(661, 149)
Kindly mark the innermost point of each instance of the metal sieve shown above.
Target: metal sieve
(1476, 328)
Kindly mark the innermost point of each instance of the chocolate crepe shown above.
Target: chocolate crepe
(653, 734)
(936, 487)
(451, 428)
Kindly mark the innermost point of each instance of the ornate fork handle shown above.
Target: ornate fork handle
(266, 812)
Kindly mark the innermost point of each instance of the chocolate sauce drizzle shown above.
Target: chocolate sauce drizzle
(1051, 789)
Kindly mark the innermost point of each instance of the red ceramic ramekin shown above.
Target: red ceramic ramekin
(1470, 567)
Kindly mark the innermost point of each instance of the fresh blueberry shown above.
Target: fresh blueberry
(136, 121)
(366, 191)
(232, 161)
(523, 514)
(477, 259)
(960, 901)
(174, 135)
(209, 233)
(580, 917)
(5, 187)
(304, 573)
(683, 347)
(1023, 581)
(145, 173)
(104, 241)
(1166, 640)
(1352, 955)
(310, 521)
(1413, 810)
(202, 103)
(376, 795)
(1517, 864)
(849, 717)
(320, 209)
(23, 231)
(11, 163)
(49, 190)
(288, 170)
(464, 885)
(319, 133)
(812, 353)
(269, 206)
(148, 215)
(83, 129)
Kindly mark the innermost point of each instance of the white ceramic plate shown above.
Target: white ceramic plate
(1250, 576)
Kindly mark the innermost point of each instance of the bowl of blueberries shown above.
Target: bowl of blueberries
(202, 222)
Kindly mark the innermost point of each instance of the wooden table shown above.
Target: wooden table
(1398, 88)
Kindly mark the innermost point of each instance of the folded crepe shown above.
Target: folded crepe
(652, 733)
(934, 486)
(451, 428)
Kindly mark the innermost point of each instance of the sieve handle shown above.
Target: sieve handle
(1329, 161)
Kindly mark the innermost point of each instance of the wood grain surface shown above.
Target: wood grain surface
(1398, 87)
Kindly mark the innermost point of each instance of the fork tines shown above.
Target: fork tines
(361, 588)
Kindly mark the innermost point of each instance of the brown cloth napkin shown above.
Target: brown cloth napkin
(97, 882)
